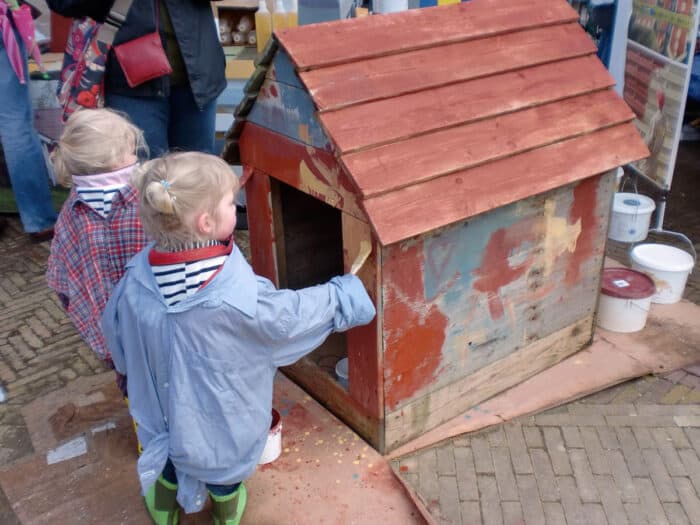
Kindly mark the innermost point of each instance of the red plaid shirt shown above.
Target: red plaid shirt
(88, 256)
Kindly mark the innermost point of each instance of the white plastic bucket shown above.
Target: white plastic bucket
(341, 372)
(630, 218)
(273, 446)
(669, 267)
(625, 300)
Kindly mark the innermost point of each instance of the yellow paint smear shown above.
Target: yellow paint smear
(559, 235)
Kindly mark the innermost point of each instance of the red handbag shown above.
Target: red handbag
(143, 58)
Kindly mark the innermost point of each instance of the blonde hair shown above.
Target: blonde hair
(95, 141)
(177, 187)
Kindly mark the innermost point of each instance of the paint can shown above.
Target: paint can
(631, 214)
(668, 266)
(273, 446)
(341, 372)
(389, 6)
(625, 300)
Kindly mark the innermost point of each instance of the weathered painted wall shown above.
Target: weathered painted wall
(464, 297)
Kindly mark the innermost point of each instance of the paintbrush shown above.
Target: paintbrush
(365, 250)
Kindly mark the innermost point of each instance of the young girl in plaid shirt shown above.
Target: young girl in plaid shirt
(98, 229)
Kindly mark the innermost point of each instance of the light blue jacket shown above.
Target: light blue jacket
(200, 372)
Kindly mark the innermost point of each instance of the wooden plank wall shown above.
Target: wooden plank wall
(473, 298)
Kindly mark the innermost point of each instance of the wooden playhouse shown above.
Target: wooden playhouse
(474, 145)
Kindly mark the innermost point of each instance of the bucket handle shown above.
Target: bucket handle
(682, 237)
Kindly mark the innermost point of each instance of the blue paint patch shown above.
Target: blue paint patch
(288, 110)
(355, 476)
(452, 256)
(284, 411)
(284, 71)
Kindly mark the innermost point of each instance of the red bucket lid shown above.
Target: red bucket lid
(627, 284)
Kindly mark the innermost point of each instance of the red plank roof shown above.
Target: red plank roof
(443, 113)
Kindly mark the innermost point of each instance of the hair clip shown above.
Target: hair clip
(165, 184)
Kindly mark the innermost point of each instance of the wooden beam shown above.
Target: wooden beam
(260, 227)
(389, 76)
(406, 116)
(363, 343)
(320, 45)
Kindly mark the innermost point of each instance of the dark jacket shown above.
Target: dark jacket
(196, 35)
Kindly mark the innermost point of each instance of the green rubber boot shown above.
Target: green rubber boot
(228, 510)
(161, 502)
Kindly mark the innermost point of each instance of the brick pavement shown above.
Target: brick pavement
(627, 455)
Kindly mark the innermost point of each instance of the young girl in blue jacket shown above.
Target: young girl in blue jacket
(200, 336)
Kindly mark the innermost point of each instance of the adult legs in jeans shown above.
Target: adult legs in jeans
(170, 124)
(22, 148)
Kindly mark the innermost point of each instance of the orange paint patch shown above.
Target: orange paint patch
(495, 271)
(584, 208)
(415, 329)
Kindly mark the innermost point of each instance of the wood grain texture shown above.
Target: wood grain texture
(364, 342)
(355, 39)
(429, 411)
(260, 227)
(388, 76)
(403, 214)
(393, 166)
(402, 117)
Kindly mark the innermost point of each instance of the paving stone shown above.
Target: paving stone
(596, 455)
(557, 451)
(666, 410)
(595, 515)
(533, 512)
(512, 513)
(471, 513)
(583, 475)
(554, 513)
(533, 436)
(572, 437)
(544, 475)
(676, 514)
(560, 420)
(669, 455)
(466, 475)
(608, 438)
(490, 503)
(446, 461)
(429, 487)
(677, 437)
(693, 435)
(518, 449)
(676, 376)
(622, 477)
(636, 514)
(640, 421)
(570, 500)
(629, 394)
(505, 477)
(689, 499)
(632, 453)
(691, 381)
(692, 466)
(659, 475)
(496, 437)
(482, 455)
(616, 409)
(450, 509)
(650, 502)
(687, 421)
(677, 394)
(611, 500)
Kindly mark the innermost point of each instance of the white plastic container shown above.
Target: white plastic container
(341, 372)
(630, 217)
(669, 267)
(273, 446)
(625, 299)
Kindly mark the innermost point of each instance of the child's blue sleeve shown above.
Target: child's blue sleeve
(110, 329)
(303, 319)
